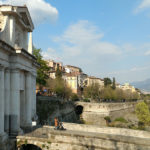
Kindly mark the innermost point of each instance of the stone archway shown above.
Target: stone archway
(29, 147)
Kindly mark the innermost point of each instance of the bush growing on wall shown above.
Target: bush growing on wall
(143, 113)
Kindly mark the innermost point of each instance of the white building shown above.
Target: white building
(129, 87)
(17, 71)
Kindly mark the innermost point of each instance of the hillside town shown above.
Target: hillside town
(77, 80)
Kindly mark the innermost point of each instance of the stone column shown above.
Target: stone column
(33, 95)
(7, 99)
(25, 35)
(1, 100)
(28, 99)
(15, 102)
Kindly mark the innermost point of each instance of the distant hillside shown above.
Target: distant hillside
(143, 85)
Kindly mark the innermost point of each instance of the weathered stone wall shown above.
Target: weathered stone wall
(94, 113)
(94, 139)
(50, 107)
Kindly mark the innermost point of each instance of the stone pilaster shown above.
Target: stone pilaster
(30, 44)
(33, 95)
(1, 100)
(15, 102)
(28, 99)
(7, 99)
(12, 31)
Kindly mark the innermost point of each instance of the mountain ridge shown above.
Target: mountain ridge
(142, 85)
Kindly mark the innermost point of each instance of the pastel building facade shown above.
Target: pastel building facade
(53, 67)
(72, 69)
(129, 87)
(93, 80)
(17, 71)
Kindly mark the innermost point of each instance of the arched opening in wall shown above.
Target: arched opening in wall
(79, 110)
(30, 147)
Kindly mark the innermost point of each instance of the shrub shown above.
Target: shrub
(121, 119)
(141, 125)
(86, 100)
(107, 118)
(142, 112)
(74, 97)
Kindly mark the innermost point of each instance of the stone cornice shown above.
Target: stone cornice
(11, 50)
(7, 47)
(28, 55)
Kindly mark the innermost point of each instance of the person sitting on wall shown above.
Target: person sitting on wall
(56, 123)
(61, 127)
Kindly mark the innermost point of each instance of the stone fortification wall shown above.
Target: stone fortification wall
(94, 113)
(50, 107)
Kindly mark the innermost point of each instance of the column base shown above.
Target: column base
(6, 127)
(3, 136)
(16, 133)
(4, 141)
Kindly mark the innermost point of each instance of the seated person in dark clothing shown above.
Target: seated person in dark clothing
(61, 126)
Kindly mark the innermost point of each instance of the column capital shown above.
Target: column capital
(7, 70)
(15, 70)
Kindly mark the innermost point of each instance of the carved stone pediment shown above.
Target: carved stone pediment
(21, 14)
(25, 16)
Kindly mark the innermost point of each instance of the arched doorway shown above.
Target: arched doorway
(79, 110)
(30, 147)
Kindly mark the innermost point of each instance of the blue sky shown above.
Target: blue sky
(106, 38)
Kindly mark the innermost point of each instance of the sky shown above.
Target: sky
(106, 38)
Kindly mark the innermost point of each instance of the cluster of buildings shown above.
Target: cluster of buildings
(77, 80)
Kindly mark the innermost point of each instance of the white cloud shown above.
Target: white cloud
(82, 44)
(84, 38)
(40, 10)
(51, 54)
(137, 73)
(143, 5)
(147, 53)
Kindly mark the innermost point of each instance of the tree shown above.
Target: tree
(114, 84)
(107, 82)
(42, 72)
(58, 73)
(142, 112)
(61, 88)
(92, 91)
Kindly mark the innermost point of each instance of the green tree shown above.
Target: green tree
(42, 71)
(114, 84)
(107, 82)
(61, 88)
(142, 112)
(58, 73)
(92, 91)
